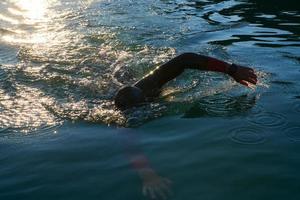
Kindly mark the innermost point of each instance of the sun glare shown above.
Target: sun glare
(31, 39)
(27, 12)
(33, 10)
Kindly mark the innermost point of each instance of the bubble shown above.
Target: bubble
(247, 135)
(293, 133)
(268, 119)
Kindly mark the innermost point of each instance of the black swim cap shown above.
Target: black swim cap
(129, 96)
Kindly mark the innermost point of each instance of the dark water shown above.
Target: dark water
(61, 62)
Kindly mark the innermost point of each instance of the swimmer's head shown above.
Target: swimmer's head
(129, 96)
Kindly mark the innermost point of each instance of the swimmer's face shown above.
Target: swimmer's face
(129, 96)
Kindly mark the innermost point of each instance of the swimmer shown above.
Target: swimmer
(149, 87)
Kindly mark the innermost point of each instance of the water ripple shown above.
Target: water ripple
(268, 119)
(29, 131)
(2, 74)
(297, 108)
(293, 133)
(88, 53)
(2, 130)
(219, 106)
(7, 54)
(247, 135)
(223, 105)
(22, 112)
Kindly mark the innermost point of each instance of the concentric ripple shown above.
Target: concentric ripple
(225, 105)
(219, 106)
(268, 119)
(293, 133)
(247, 135)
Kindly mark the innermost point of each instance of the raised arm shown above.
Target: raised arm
(150, 85)
(170, 70)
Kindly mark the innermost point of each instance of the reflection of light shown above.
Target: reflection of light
(25, 112)
(29, 12)
(9, 19)
(36, 39)
(33, 9)
(14, 11)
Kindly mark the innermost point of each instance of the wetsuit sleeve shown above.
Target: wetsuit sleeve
(152, 82)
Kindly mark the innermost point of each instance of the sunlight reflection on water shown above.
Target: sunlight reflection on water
(72, 54)
(61, 62)
(31, 10)
(29, 19)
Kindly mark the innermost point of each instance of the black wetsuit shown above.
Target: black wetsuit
(152, 83)
(150, 86)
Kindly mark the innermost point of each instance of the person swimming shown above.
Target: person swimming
(149, 87)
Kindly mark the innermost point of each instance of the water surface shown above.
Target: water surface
(61, 63)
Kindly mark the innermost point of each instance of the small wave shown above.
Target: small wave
(104, 111)
(12, 20)
(2, 74)
(7, 54)
(217, 17)
(22, 112)
(80, 64)
(247, 135)
(293, 133)
(282, 82)
(215, 96)
(222, 105)
(2, 130)
(29, 131)
(268, 119)
(6, 31)
(297, 108)
(285, 86)
(219, 106)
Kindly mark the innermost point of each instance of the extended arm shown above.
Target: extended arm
(154, 186)
(173, 68)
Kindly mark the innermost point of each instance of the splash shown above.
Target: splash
(70, 63)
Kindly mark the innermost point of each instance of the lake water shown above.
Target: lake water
(62, 61)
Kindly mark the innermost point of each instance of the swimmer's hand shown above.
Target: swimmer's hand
(243, 75)
(154, 186)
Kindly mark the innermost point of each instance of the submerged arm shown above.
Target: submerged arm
(154, 186)
(173, 68)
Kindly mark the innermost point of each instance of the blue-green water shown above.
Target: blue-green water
(61, 62)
